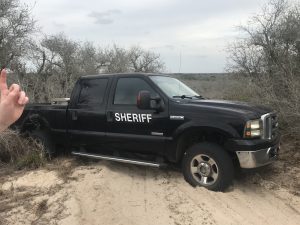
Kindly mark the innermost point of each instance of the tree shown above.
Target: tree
(16, 26)
(271, 44)
(90, 59)
(136, 59)
(56, 67)
(115, 60)
(269, 55)
(145, 61)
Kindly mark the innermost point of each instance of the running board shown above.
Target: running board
(119, 159)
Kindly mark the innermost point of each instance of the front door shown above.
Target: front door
(130, 128)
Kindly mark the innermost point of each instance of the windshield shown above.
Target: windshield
(173, 87)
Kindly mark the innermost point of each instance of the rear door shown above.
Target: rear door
(130, 128)
(87, 115)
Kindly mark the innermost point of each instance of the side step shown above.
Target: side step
(119, 159)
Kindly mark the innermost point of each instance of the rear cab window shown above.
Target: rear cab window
(92, 91)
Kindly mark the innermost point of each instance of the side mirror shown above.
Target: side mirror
(144, 101)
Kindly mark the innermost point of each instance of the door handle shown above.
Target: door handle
(74, 115)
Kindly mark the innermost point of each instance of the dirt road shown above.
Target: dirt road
(111, 193)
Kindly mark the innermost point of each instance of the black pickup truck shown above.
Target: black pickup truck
(155, 120)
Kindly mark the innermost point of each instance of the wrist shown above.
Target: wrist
(2, 127)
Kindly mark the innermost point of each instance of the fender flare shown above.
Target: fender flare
(223, 128)
(175, 150)
(34, 121)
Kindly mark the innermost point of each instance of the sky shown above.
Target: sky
(191, 36)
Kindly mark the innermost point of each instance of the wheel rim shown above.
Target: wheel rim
(204, 169)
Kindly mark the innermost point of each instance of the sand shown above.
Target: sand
(111, 193)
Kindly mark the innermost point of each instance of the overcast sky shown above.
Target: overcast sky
(198, 30)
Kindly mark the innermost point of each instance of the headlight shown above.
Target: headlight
(253, 129)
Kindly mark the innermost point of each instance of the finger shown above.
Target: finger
(26, 101)
(22, 98)
(14, 93)
(3, 84)
(14, 88)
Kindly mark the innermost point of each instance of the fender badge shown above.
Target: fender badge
(176, 117)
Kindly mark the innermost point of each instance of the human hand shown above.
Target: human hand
(12, 102)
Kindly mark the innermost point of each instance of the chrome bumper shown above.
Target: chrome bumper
(253, 159)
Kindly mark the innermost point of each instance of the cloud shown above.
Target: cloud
(170, 47)
(106, 17)
(201, 56)
(58, 25)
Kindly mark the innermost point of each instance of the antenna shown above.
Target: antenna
(180, 61)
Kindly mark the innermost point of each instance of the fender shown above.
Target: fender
(174, 148)
(222, 127)
(34, 121)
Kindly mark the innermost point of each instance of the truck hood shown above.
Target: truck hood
(250, 110)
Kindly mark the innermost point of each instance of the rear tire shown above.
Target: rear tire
(43, 137)
(208, 165)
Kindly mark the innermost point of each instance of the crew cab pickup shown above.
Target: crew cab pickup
(156, 120)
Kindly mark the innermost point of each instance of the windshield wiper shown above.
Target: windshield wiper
(188, 96)
(182, 96)
(199, 96)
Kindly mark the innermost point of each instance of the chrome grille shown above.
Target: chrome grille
(270, 125)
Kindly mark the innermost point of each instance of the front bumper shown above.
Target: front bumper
(253, 159)
(255, 153)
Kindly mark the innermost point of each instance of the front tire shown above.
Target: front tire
(208, 165)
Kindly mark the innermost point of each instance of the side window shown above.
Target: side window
(92, 91)
(128, 88)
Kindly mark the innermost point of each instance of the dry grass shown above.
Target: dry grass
(19, 151)
(3, 221)
(64, 166)
(287, 107)
(41, 207)
(213, 86)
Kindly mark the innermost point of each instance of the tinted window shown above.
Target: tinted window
(128, 88)
(92, 91)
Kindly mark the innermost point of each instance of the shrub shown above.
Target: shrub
(267, 56)
(19, 151)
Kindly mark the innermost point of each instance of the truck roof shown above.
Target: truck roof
(122, 74)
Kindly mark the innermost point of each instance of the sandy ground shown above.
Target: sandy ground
(111, 193)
